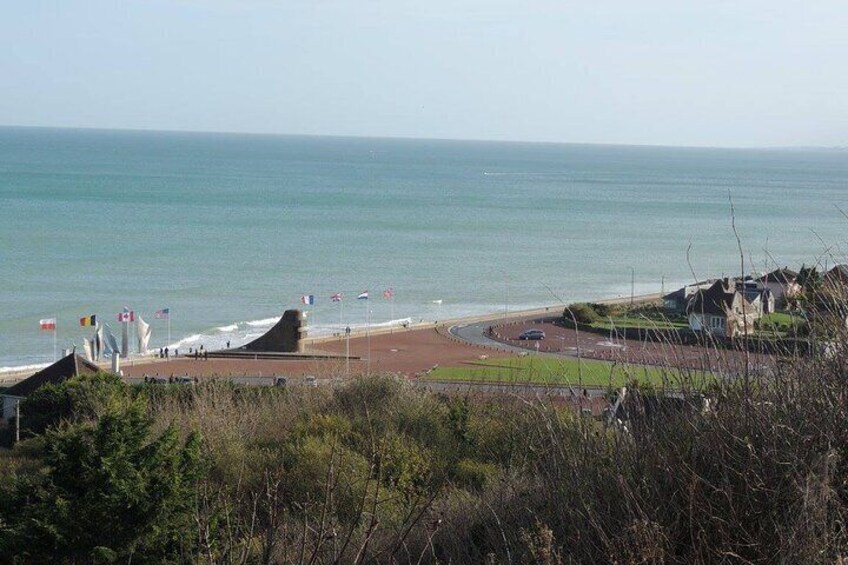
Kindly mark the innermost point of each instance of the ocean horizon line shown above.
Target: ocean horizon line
(363, 137)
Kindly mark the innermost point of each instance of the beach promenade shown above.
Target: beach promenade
(414, 351)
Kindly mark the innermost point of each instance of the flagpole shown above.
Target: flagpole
(55, 331)
(368, 336)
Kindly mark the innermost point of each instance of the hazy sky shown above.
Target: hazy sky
(675, 72)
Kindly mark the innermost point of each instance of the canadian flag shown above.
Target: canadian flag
(127, 316)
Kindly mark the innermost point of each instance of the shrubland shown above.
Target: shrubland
(376, 470)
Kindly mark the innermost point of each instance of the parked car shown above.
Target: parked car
(532, 334)
(311, 381)
(280, 382)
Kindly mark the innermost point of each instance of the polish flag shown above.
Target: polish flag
(48, 324)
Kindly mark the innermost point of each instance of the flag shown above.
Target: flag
(163, 314)
(389, 293)
(126, 316)
(308, 299)
(88, 320)
(48, 324)
(363, 295)
(337, 297)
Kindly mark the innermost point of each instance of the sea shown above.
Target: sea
(227, 231)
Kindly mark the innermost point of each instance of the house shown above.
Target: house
(60, 371)
(783, 284)
(835, 281)
(758, 295)
(721, 310)
(675, 302)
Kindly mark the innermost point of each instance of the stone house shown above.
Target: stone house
(783, 284)
(721, 310)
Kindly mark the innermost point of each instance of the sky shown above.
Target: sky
(660, 72)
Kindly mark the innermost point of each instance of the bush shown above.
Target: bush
(474, 475)
(583, 312)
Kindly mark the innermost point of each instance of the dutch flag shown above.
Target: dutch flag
(308, 299)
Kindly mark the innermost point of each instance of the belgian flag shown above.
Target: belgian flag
(89, 320)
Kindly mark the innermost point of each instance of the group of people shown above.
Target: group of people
(199, 353)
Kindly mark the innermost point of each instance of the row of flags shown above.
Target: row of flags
(126, 315)
(388, 294)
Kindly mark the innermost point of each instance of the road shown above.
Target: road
(476, 334)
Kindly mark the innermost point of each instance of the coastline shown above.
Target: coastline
(388, 338)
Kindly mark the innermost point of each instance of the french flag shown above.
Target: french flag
(308, 299)
(363, 295)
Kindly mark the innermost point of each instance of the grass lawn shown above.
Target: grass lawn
(778, 324)
(780, 318)
(538, 369)
(639, 322)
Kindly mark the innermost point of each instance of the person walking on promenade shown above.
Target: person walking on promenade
(166, 354)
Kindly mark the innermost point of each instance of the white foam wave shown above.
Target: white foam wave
(230, 328)
(21, 368)
(264, 322)
(190, 339)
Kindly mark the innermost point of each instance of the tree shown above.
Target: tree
(109, 492)
(76, 399)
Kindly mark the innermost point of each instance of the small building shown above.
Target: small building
(758, 295)
(675, 302)
(783, 284)
(835, 281)
(60, 371)
(721, 310)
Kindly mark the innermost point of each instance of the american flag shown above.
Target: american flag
(389, 293)
(163, 314)
(337, 297)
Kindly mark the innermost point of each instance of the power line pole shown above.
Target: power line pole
(17, 421)
(632, 284)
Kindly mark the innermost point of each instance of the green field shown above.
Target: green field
(538, 369)
(639, 322)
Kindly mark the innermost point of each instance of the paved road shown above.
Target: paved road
(476, 334)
